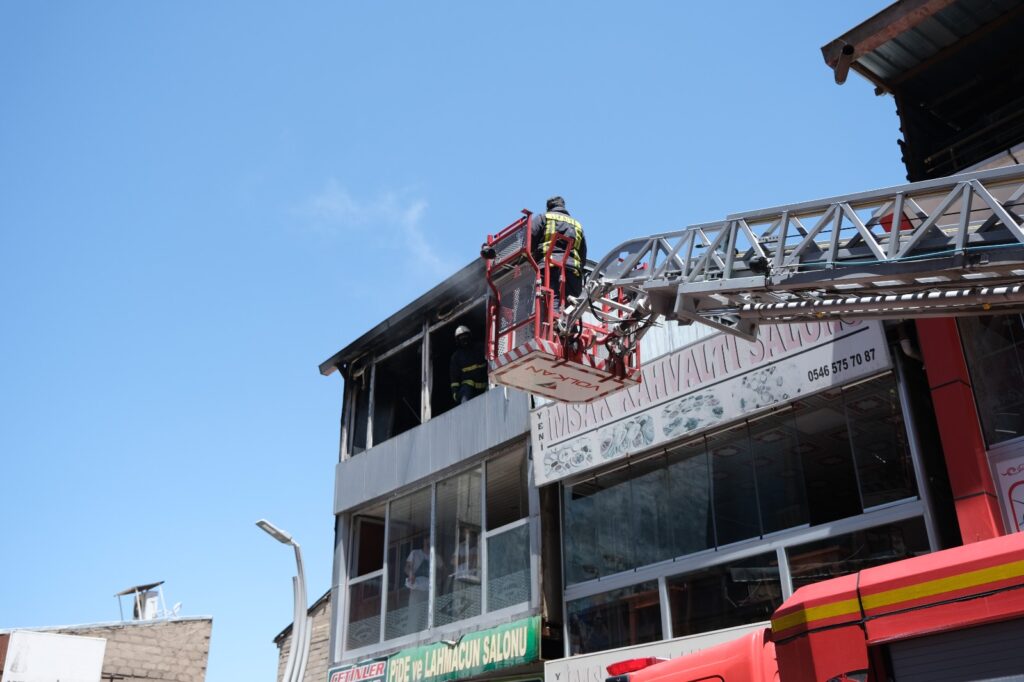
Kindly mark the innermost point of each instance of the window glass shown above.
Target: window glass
(780, 480)
(457, 541)
(830, 479)
(856, 551)
(688, 500)
(508, 568)
(409, 559)
(734, 487)
(994, 348)
(650, 520)
(363, 613)
(737, 593)
(507, 489)
(879, 438)
(368, 541)
(614, 619)
(597, 527)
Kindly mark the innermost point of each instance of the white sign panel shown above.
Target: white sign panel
(47, 657)
(709, 383)
(1008, 467)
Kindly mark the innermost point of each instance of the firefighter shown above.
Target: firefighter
(467, 367)
(542, 227)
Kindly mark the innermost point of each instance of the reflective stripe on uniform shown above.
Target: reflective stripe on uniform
(551, 221)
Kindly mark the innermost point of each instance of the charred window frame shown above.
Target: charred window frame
(406, 384)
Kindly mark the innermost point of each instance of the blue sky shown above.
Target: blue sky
(199, 202)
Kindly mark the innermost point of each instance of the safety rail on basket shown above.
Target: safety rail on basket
(536, 339)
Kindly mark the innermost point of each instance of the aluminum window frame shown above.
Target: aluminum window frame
(486, 618)
(423, 337)
(779, 541)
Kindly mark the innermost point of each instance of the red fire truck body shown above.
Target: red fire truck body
(857, 627)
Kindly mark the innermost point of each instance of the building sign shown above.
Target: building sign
(364, 671)
(716, 380)
(472, 654)
(1009, 475)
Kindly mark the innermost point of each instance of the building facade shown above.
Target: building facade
(511, 538)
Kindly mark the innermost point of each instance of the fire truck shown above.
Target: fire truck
(947, 247)
(957, 614)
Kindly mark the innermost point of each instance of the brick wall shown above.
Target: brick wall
(316, 666)
(174, 650)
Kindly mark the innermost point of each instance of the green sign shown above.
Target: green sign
(502, 647)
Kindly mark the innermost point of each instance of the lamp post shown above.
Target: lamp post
(295, 668)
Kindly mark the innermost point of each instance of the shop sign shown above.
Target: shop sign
(1008, 467)
(716, 380)
(364, 671)
(474, 653)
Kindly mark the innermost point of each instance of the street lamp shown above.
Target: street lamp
(302, 625)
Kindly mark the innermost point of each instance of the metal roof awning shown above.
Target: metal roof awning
(908, 35)
(954, 69)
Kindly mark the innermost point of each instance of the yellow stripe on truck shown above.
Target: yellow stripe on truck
(951, 583)
(899, 595)
(821, 612)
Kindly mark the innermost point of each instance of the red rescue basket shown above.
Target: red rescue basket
(524, 347)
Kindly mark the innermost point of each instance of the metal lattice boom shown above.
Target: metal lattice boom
(953, 246)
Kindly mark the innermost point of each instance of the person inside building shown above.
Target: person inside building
(543, 226)
(417, 579)
(468, 368)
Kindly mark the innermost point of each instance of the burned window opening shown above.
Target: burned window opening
(443, 346)
(360, 402)
(396, 394)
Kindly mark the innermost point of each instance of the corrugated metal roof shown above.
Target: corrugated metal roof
(890, 45)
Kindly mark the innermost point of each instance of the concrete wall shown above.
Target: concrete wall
(319, 644)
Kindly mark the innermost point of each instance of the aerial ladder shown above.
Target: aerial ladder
(947, 247)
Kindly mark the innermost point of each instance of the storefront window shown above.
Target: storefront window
(508, 568)
(409, 558)
(688, 499)
(597, 537)
(431, 576)
(826, 457)
(856, 551)
(880, 446)
(780, 482)
(508, 536)
(830, 479)
(457, 538)
(364, 613)
(506, 489)
(994, 348)
(735, 488)
(744, 591)
(615, 619)
(368, 541)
